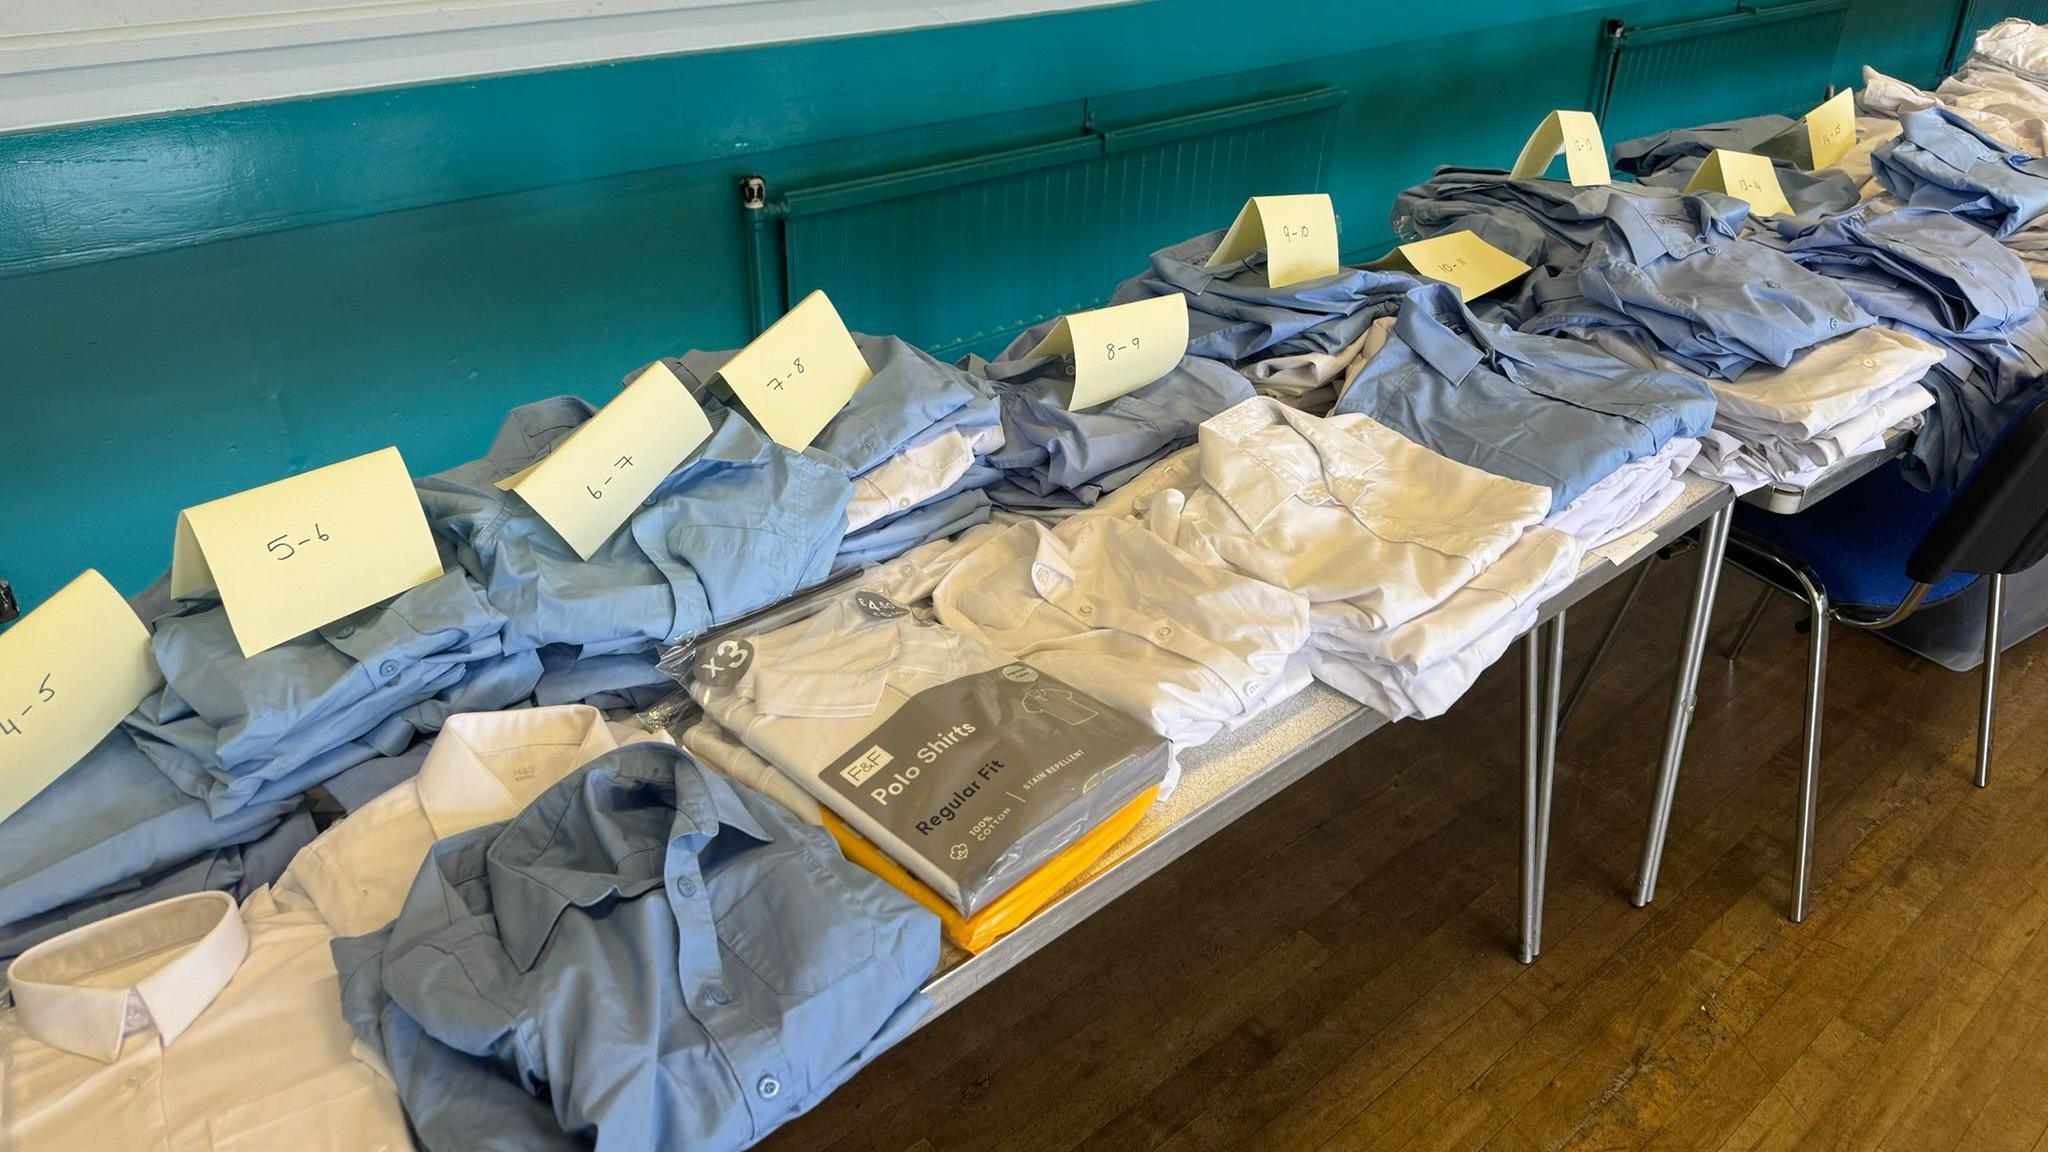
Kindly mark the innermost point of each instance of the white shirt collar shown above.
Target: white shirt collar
(486, 766)
(62, 996)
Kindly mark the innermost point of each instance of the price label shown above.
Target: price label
(1745, 176)
(1298, 234)
(1831, 129)
(1575, 135)
(597, 476)
(308, 549)
(68, 672)
(1120, 348)
(1460, 259)
(798, 374)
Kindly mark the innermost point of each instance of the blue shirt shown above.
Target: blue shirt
(667, 959)
(1558, 413)
(742, 523)
(1053, 457)
(1673, 265)
(1235, 316)
(1669, 160)
(909, 397)
(1939, 160)
(110, 819)
(1948, 282)
(225, 728)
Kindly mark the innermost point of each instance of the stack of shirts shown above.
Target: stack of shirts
(913, 440)
(1419, 570)
(1674, 267)
(1290, 341)
(742, 523)
(1670, 159)
(645, 956)
(1933, 275)
(202, 785)
(1786, 425)
(1055, 460)
(1607, 438)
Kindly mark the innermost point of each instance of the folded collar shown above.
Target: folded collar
(591, 839)
(485, 766)
(203, 934)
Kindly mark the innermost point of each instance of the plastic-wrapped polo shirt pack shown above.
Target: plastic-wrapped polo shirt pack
(1676, 267)
(1290, 341)
(914, 441)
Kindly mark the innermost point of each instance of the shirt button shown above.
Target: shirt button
(1251, 688)
(647, 503)
(1713, 249)
(1869, 362)
(769, 1087)
(1087, 610)
(686, 888)
(1770, 283)
(1162, 633)
(344, 632)
(717, 996)
(1834, 323)
(908, 569)
(903, 501)
(388, 669)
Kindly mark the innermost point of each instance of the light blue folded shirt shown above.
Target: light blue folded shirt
(740, 524)
(1235, 316)
(1940, 160)
(1559, 413)
(647, 956)
(1054, 457)
(1669, 160)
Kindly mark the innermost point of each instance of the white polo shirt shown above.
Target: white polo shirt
(184, 1025)
(482, 768)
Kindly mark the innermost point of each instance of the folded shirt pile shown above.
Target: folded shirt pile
(1380, 534)
(1056, 460)
(914, 441)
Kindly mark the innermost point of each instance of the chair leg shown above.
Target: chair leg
(1992, 618)
(1809, 758)
(1749, 623)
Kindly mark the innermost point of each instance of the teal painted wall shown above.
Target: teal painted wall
(193, 304)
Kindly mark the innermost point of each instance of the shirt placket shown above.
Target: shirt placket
(757, 1060)
(1237, 678)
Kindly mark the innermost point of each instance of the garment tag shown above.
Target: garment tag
(1831, 129)
(1120, 348)
(68, 672)
(1745, 176)
(1299, 234)
(1460, 259)
(308, 549)
(798, 374)
(1577, 135)
(598, 475)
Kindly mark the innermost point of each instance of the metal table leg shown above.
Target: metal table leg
(1542, 681)
(1684, 696)
(1991, 619)
(1809, 752)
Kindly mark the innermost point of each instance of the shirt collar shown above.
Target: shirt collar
(485, 766)
(1256, 483)
(58, 1002)
(589, 840)
(1439, 329)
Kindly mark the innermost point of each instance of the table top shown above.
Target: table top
(1229, 776)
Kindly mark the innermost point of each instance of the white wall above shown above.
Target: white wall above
(81, 61)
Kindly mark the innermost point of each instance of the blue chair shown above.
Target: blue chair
(1880, 550)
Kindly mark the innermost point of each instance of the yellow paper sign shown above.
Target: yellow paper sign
(308, 549)
(1298, 233)
(1460, 259)
(594, 479)
(1831, 129)
(1577, 135)
(1745, 176)
(798, 374)
(1120, 348)
(68, 672)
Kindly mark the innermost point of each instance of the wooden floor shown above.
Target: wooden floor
(1334, 970)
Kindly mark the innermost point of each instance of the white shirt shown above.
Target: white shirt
(1191, 649)
(188, 1026)
(1629, 497)
(1343, 509)
(483, 767)
(919, 472)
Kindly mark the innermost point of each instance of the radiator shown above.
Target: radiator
(1697, 72)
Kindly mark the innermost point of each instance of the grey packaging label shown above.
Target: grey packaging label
(988, 775)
